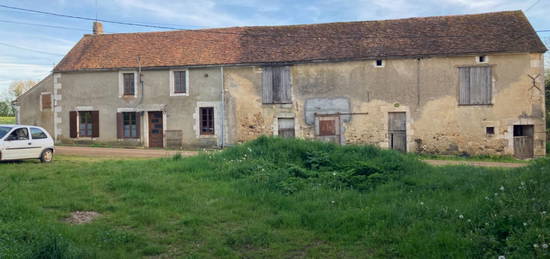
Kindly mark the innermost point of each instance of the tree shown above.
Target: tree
(6, 110)
(17, 88)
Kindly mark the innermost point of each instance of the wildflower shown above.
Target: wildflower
(501, 188)
(461, 216)
(535, 245)
(487, 197)
(545, 246)
(469, 220)
(496, 194)
(422, 203)
(525, 223)
(334, 173)
(332, 202)
(501, 257)
(522, 183)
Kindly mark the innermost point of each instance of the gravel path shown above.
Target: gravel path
(475, 163)
(119, 152)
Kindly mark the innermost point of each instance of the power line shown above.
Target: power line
(43, 25)
(32, 50)
(531, 6)
(229, 32)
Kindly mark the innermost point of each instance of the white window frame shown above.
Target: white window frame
(51, 100)
(484, 62)
(376, 65)
(121, 83)
(173, 82)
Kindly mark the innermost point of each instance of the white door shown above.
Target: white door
(17, 145)
(39, 141)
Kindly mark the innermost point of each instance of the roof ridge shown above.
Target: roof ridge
(221, 29)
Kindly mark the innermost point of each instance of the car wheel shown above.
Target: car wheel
(47, 156)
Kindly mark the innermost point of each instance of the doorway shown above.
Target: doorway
(156, 130)
(397, 131)
(523, 141)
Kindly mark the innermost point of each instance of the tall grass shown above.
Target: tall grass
(276, 198)
(7, 120)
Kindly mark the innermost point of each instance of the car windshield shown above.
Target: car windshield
(4, 130)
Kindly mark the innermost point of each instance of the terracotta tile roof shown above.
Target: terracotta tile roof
(413, 37)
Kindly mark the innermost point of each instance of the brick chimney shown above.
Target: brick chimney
(98, 28)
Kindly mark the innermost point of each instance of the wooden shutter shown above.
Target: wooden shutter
(95, 124)
(327, 127)
(475, 85)
(72, 124)
(464, 85)
(267, 85)
(119, 125)
(46, 101)
(138, 125)
(285, 85)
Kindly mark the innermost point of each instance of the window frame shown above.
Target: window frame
(485, 61)
(173, 82)
(121, 92)
(212, 121)
(135, 124)
(14, 131)
(42, 131)
(89, 128)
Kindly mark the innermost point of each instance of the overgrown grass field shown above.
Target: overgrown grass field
(275, 198)
(7, 120)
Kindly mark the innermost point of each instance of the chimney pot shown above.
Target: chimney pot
(98, 28)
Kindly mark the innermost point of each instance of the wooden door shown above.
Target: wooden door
(156, 130)
(397, 131)
(523, 141)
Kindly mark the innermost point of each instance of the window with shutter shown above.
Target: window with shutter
(85, 124)
(475, 86)
(129, 87)
(276, 85)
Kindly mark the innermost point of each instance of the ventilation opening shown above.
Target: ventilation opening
(490, 130)
(379, 63)
(482, 59)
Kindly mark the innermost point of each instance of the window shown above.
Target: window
(129, 86)
(475, 85)
(276, 86)
(19, 134)
(379, 63)
(38, 134)
(4, 131)
(86, 124)
(46, 101)
(206, 120)
(482, 59)
(180, 83)
(286, 127)
(490, 130)
(129, 123)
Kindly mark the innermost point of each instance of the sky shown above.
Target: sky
(29, 52)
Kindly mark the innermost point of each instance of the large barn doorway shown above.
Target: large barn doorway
(523, 141)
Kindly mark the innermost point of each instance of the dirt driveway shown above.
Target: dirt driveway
(119, 152)
(156, 153)
(475, 163)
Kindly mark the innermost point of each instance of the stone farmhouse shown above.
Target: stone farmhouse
(446, 85)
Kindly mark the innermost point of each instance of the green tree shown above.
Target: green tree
(6, 110)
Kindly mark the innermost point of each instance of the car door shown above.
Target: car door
(17, 145)
(39, 141)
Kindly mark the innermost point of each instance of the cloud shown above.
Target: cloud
(10, 72)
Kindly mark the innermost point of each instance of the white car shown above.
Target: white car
(25, 142)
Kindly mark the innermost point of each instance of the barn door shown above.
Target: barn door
(523, 141)
(397, 131)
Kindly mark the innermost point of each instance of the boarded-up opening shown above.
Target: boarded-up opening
(46, 101)
(327, 127)
(397, 131)
(475, 86)
(523, 141)
(286, 127)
